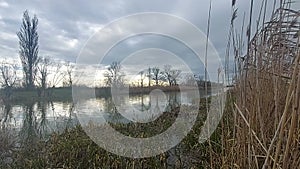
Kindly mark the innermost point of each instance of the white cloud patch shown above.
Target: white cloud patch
(7, 36)
(87, 28)
(4, 4)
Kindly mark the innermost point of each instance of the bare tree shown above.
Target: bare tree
(171, 75)
(29, 48)
(167, 73)
(157, 75)
(149, 75)
(142, 77)
(114, 77)
(57, 75)
(8, 75)
(68, 79)
(43, 71)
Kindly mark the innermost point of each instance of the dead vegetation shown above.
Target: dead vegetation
(267, 122)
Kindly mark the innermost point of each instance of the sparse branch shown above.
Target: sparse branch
(57, 74)
(68, 78)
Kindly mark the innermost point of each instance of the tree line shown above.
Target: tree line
(115, 77)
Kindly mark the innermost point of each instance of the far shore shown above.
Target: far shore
(64, 94)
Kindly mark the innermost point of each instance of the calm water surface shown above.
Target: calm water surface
(26, 123)
(42, 118)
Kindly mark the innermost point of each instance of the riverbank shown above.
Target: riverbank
(64, 94)
(23, 96)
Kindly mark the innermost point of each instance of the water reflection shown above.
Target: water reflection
(7, 116)
(23, 125)
(38, 120)
(29, 129)
(142, 108)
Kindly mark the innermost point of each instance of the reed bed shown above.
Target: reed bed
(266, 111)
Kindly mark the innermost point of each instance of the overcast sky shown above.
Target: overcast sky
(65, 26)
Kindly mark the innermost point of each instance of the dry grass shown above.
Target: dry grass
(266, 117)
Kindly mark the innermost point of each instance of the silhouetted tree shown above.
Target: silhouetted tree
(8, 75)
(157, 75)
(43, 71)
(142, 77)
(57, 74)
(171, 75)
(149, 76)
(68, 80)
(29, 48)
(113, 76)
